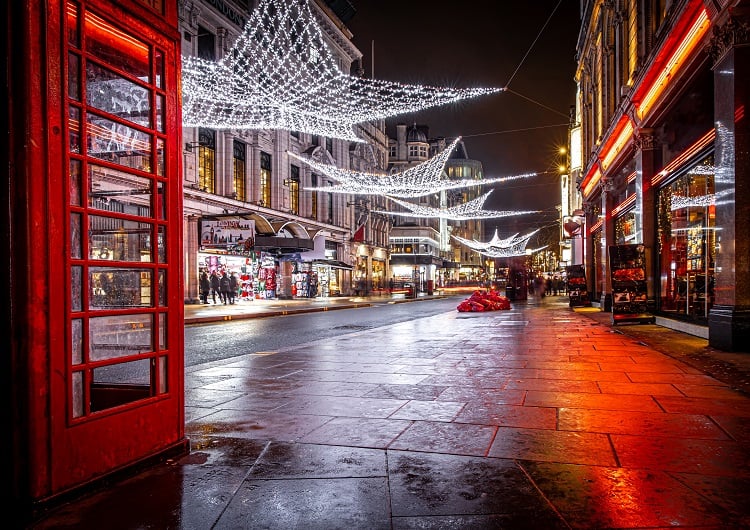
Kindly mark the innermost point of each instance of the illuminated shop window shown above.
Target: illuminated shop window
(687, 242)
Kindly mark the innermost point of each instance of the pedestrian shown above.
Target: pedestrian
(224, 288)
(205, 286)
(548, 286)
(539, 286)
(233, 286)
(214, 281)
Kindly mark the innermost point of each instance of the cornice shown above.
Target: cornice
(733, 33)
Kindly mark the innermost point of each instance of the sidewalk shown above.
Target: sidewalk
(730, 368)
(249, 308)
(537, 417)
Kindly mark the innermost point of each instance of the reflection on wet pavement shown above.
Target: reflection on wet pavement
(537, 417)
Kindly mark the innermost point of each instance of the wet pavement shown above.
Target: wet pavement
(538, 417)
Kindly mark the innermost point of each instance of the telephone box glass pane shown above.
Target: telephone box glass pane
(117, 191)
(119, 336)
(76, 288)
(119, 239)
(75, 236)
(108, 91)
(119, 384)
(113, 288)
(116, 48)
(118, 143)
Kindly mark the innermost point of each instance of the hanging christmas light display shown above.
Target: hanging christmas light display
(281, 74)
(468, 210)
(509, 247)
(496, 242)
(417, 181)
(510, 252)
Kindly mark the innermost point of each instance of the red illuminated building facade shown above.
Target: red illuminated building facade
(660, 148)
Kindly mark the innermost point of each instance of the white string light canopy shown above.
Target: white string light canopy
(496, 242)
(468, 210)
(281, 74)
(510, 252)
(512, 246)
(416, 181)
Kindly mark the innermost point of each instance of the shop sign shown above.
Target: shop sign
(228, 12)
(228, 233)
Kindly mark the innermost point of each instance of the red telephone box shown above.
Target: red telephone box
(97, 318)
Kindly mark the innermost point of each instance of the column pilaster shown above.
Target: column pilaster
(729, 318)
(647, 163)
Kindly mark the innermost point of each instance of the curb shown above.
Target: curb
(271, 313)
(286, 312)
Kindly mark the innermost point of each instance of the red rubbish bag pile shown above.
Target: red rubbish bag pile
(484, 301)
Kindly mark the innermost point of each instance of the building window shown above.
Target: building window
(392, 151)
(631, 40)
(314, 197)
(294, 189)
(239, 171)
(329, 145)
(330, 206)
(265, 179)
(207, 160)
(206, 44)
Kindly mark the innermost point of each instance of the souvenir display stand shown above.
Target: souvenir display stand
(627, 266)
(577, 290)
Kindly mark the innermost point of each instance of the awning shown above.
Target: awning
(334, 264)
(283, 245)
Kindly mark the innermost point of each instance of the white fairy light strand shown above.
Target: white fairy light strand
(281, 74)
(501, 248)
(416, 181)
(468, 210)
(510, 252)
(496, 243)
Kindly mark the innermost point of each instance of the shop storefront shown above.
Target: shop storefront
(257, 272)
(330, 277)
(229, 244)
(378, 274)
(687, 242)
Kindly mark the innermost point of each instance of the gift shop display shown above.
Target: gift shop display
(627, 265)
(577, 291)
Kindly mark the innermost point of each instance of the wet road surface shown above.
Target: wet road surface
(537, 417)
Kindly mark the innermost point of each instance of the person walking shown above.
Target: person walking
(224, 288)
(205, 286)
(539, 286)
(214, 281)
(233, 286)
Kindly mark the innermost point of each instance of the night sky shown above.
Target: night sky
(494, 43)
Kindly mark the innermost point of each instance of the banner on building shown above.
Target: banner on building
(227, 233)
